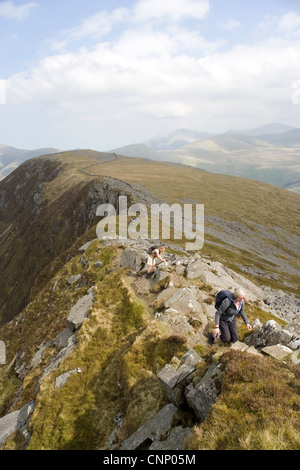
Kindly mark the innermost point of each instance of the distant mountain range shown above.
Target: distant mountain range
(11, 157)
(270, 153)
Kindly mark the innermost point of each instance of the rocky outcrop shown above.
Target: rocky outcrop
(158, 432)
(271, 334)
(16, 421)
(182, 293)
(175, 381)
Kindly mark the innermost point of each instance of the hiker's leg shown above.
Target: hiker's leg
(233, 331)
(151, 266)
(225, 332)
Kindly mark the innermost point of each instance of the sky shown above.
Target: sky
(101, 74)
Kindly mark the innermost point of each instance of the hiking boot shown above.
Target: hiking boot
(148, 275)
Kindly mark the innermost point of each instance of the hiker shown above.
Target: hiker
(154, 252)
(225, 318)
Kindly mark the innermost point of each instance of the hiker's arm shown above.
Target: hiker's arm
(158, 255)
(245, 319)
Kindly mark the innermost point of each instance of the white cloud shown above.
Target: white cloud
(94, 27)
(97, 25)
(169, 9)
(9, 11)
(290, 22)
(170, 74)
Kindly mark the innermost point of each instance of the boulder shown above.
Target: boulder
(174, 441)
(64, 339)
(155, 429)
(201, 397)
(278, 351)
(61, 379)
(132, 259)
(185, 300)
(175, 381)
(2, 353)
(239, 346)
(84, 247)
(79, 312)
(74, 278)
(15, 421)
(195, 269)
(270, 334)
(37, 358)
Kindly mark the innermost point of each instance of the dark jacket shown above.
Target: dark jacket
(228, 310)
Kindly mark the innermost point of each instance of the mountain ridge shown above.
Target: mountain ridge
(88, 339)
(271, 157)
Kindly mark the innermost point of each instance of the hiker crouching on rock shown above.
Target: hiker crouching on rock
(154, 252)
(225, 318)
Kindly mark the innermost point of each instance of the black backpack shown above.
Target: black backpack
(221, 296)
(149, 251)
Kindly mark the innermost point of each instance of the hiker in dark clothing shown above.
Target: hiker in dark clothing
(225, 318)
(153, 254)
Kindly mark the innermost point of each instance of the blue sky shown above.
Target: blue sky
(102, 74)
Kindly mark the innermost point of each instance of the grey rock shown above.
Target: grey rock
(37, 358)
(174, 441)
(175, 381)
(195, 270)
(64, 339)
(270, 334)
(132, 259)
(98, 264)
(156, 428)
(79, 312)
(278, 351)
(15, 421)
(61, 379)
(84, 247)
(204, 395)
(74, 278)
(2, 353)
